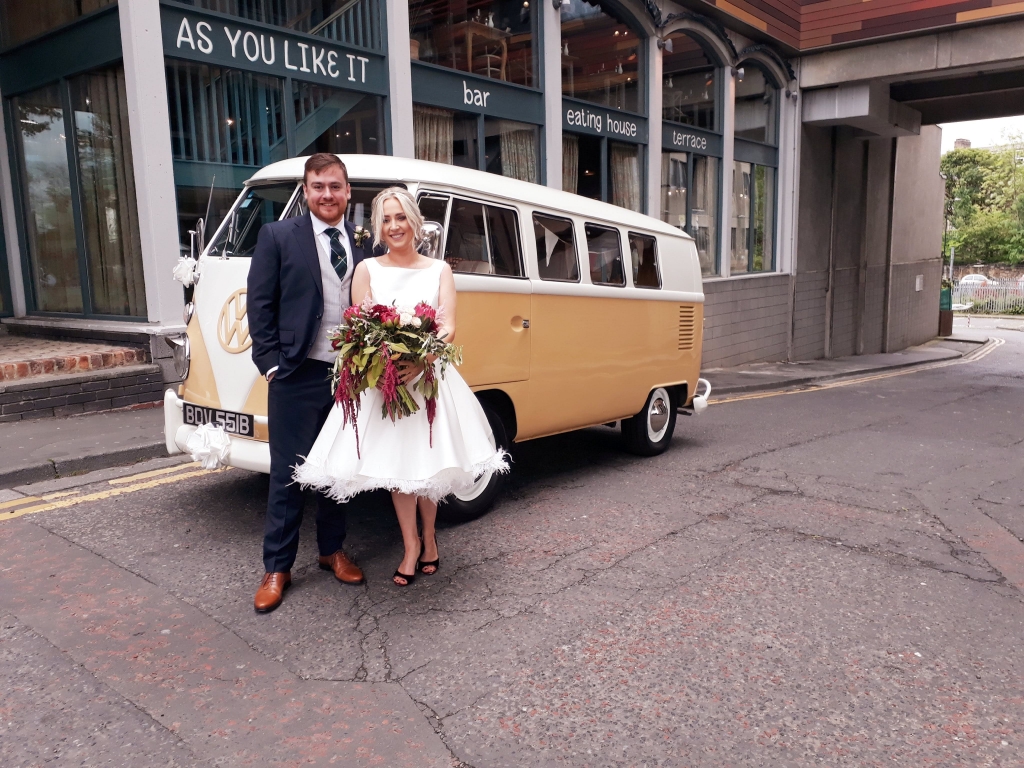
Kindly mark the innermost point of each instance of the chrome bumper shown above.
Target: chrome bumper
(253, 455)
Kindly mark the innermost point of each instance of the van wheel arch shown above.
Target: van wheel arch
(501, 404)
(501, 414)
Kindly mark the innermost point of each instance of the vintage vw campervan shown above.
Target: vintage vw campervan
(572, 313)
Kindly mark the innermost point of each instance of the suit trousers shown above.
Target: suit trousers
(297, 408)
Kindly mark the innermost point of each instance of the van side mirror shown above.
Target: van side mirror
(431, 239)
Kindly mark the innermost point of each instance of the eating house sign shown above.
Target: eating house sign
(215, 39)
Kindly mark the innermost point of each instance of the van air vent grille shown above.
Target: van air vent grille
(687, 327)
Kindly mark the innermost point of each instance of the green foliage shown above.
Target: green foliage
(985, 203)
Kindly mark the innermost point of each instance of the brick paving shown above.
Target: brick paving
(22, 357)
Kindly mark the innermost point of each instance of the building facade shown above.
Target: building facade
(812, 206)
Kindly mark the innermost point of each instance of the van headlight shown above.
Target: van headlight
(181, 352)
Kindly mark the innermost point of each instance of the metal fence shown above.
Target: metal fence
(989, 299)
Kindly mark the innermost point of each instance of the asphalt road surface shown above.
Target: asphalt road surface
(827, 577)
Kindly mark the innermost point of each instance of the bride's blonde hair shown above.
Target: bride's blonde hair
(409, 207)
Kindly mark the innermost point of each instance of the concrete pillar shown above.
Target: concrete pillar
(9, 213)
(403, 143)
(654, 101)
(551, 68)
(149, 122)
(788, 186)
(728, 129)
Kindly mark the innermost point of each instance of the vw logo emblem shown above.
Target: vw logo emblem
(233, 325)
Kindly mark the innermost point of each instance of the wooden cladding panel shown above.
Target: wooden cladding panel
(805, 24)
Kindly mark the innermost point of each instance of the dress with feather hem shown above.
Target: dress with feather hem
(398, 456)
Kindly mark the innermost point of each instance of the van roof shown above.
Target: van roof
(390, 168)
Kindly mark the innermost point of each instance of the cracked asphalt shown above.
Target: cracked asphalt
(825, 577)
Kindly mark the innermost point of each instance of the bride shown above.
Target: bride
(398, 455)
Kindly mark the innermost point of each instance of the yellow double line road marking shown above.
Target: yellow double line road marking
(28, 505)
(974, 356)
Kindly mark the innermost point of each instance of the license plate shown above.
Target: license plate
(236, 423)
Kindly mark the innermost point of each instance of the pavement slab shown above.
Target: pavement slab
(193, 678)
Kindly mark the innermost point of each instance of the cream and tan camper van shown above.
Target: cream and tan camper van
(572, 312)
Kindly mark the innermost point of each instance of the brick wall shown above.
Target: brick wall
(745, 320)
(68, 395)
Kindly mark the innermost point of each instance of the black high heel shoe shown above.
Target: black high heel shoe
(421, 564)
(409, 578)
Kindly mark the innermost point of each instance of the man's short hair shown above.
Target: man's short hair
(320, 161)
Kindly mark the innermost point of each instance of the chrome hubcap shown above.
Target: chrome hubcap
(658, 414)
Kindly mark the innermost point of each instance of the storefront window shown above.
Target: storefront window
(689, 200)
(46, 195)
(510, 148)
(600, 56)
(21, 20)
(110, 216)
(603, 170)
(355, 22)
(688, 84)
(756, 107)
(221, 117)
(491, 38)
(753, 227)
(342, 122)
(78, 197)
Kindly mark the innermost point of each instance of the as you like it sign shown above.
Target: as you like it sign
(222, 40)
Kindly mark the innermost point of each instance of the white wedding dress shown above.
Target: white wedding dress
(398, 456)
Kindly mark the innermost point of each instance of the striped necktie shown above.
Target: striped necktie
(339, 258)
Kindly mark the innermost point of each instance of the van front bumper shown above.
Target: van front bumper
(253, 455)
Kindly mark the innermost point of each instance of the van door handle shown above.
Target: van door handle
(526, 323)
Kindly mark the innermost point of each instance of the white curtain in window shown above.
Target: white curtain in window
(625, 175)
(518, 150)
(570, 163)
(434, 133)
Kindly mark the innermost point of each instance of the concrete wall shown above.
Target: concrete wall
(746, 320)
(916, 240)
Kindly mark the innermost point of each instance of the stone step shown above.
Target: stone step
(69, 394)
(24, 357)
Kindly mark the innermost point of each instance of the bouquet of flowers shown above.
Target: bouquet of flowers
(370, 341)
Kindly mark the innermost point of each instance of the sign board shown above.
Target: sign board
(216, 39)
(463, 92)
(686, 138)
(595, 120)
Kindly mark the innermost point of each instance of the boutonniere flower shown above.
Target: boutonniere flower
(361, 233)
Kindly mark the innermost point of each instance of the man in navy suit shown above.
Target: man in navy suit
(299, 284)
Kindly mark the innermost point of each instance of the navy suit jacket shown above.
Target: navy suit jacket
(285, 300)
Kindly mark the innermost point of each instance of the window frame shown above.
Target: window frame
(610, 228)
(657, 262)
(575, 245)
(485, 203)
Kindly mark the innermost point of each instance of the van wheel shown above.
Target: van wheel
(478, 500)
(650, 431)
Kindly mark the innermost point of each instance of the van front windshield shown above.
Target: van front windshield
(257, 206)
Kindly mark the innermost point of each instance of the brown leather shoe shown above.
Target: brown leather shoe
(344, 569)
(271, 591)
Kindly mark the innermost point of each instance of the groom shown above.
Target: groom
(300, 282)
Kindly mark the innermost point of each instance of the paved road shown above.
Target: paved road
(827, 577)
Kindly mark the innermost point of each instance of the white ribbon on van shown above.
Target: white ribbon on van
(209, 445)
(186, 271)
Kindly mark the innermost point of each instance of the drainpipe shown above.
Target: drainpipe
(830, 285)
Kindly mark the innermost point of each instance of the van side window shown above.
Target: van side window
(434, 208)
(605, 256)
(644, 252)
(556, 249)
(483, 240)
